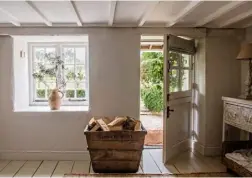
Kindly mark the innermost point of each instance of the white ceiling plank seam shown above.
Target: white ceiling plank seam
(236, 19)
(45, 20)
(77, 15)
(12, 19)
(147, 13)
(112, 11)
(221, 11)
(187, 10)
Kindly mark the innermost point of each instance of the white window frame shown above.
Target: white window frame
(179, 68)
(59, 46)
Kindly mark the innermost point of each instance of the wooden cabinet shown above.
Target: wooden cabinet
(237, 113)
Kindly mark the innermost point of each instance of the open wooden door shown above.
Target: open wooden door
(178, 62)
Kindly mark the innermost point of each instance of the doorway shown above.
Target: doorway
(151, 88)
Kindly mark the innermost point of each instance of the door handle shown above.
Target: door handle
(169, 111)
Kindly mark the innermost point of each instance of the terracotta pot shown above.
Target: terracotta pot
(55, 99)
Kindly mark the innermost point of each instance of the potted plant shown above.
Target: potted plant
(55, 71)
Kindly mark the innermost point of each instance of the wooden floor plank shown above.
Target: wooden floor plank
(46, 169)
(3, 163)
(81, 167)
(63, 167)
(198, 164)
(183, 163)
(157, 155)
(214, 163)
(12, 168)
(148, 164)
(28, 169)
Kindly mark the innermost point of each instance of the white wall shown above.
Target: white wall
(114, 90)
(199, 106)
(223, 79)
(218, 75)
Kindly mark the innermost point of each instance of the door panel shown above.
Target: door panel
(177, 112)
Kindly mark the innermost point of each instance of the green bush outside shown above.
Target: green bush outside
(152, 80)
(153, 97)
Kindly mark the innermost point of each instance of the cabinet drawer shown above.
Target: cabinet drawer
(238, 116)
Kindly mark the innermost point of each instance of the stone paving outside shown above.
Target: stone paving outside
(152, 122)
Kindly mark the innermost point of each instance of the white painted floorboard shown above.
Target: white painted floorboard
(28, 169)
(46, 169)
(151, 163)
(12, 168)
(63, 167)
(3, 163)
(158, 158)
(81, 167)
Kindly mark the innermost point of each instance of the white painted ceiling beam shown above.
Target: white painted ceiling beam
(147, 13)
(12, 19)
(236, 19)
(76, 13)
(45, 20)
(188, 9)
(230, 6)
(112, 11)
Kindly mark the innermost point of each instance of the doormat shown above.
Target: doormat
(209, 174)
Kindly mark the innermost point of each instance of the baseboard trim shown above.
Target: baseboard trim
(198, 147)
(205, 150)
(44, 155)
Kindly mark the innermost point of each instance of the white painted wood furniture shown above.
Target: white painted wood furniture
(237, 113)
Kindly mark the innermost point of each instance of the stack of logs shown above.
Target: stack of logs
(115, 124)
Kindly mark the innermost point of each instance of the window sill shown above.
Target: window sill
(47, 109)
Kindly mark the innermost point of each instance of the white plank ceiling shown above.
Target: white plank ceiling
(212, 14)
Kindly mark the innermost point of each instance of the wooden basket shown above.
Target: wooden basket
(229, 147)
(115, 151)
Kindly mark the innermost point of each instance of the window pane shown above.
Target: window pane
(185, 80)
(70, 93)
(51, 54)
(40, 93)
(68, 55)
(39, 54)
(81, 93)
(49, 91)
(80, 72)
(174, 80)
(174, 58)
(69, 72)
(70, 85)
(185, 60)
(51, 85)
(80, 84)
(40, 85)
(80, 55)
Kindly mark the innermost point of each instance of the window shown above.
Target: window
(73, 75)
(180, 71)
